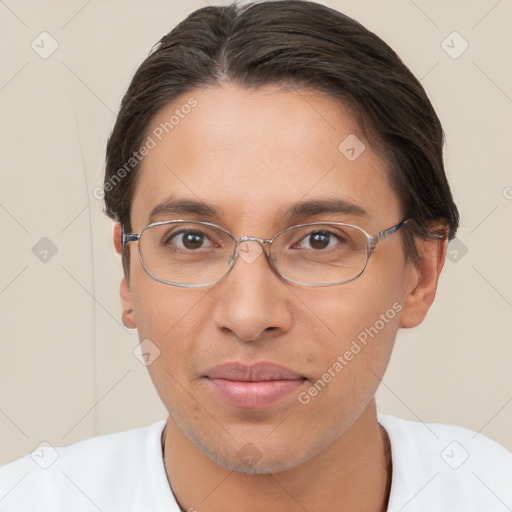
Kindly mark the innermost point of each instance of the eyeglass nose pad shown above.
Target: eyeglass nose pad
(249, 250)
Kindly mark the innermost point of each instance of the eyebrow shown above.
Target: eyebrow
(296, 211)
(172, 206)
(317, 207)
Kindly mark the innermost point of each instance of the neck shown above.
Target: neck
(353, 474)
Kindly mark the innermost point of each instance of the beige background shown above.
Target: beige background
(67, 369)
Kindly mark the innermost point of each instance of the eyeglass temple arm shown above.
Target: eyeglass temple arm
(391, 230)
(127, 237)
(387, 232)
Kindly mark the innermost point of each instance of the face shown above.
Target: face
(253, 367)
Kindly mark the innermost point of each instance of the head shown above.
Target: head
(244, 115)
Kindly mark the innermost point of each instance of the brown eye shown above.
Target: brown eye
(319, 240)
(192, 240)
(189, 240)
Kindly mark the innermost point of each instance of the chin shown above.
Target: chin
(251, 460)
(259, 465)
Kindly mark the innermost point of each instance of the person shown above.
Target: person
(276, 179)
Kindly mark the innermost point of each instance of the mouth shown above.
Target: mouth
(254, 386)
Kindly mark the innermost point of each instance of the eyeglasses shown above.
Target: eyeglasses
(195, 254)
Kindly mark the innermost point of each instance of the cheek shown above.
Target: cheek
(357, 325)
(351, 365)
(347, 311)
(159, 308)
(171, 318)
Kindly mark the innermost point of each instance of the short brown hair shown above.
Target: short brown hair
(308, 45)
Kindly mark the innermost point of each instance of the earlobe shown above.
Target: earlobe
(127, 304)
(422, 281)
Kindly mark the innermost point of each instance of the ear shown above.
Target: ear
(124, 289)
(422, 281)
(127, 304)
(117, 235)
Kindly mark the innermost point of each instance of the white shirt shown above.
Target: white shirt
(436, 468)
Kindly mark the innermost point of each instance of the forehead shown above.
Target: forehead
(252, 153)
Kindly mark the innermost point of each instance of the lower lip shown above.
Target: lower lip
(254, 395)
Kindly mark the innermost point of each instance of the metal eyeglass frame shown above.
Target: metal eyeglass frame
(372, 242)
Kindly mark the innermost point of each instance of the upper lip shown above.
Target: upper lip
(257, 372)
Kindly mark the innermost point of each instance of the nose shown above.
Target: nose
(253, 300)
